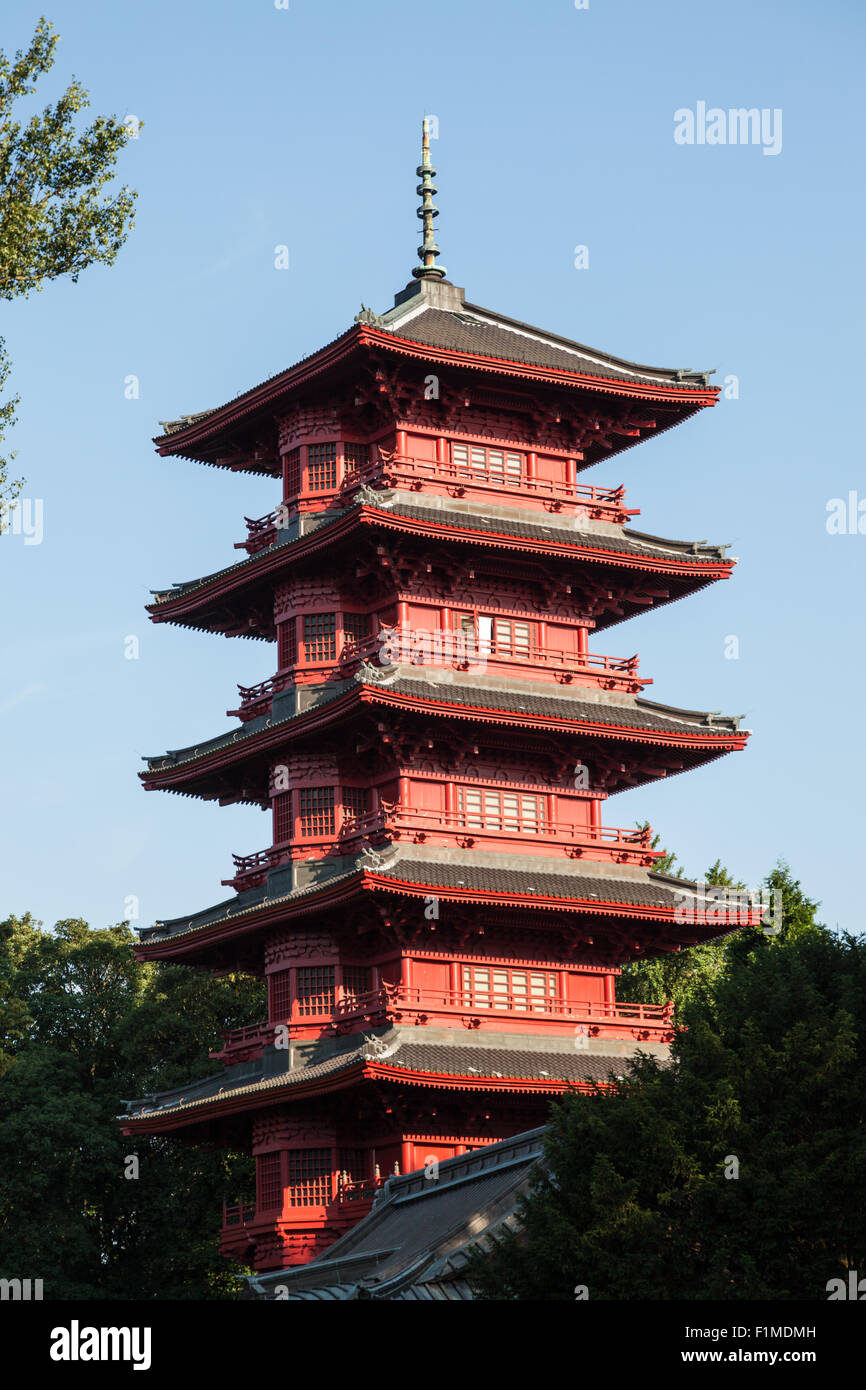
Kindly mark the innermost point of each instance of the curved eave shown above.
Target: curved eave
(349, 886)
(272, 561)
(265, 740)
(185, 442)
(252, 1098)
(191, 440)
(695, 398)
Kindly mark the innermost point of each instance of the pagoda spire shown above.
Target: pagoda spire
(428, 250)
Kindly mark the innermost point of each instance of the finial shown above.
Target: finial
(428, 250)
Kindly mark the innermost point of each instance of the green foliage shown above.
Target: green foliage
(680, 975)
(83, 1027)
(55, 216)
(769, 1071)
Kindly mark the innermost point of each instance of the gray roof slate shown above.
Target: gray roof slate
(627, 543)
(487, 334)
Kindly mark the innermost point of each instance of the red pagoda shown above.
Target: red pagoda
(441, 911)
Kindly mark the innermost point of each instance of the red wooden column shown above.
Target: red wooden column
(582, 645)
(454, 971)
(403, 630)
(445, 627)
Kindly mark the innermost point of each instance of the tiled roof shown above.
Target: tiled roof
(461, 695)
(487, 334)
(481, 333)
(414, 1244)
(578, 883)
(491, 1063)
(562, 706)
(627, 542)
(581, 884)
(632, 543)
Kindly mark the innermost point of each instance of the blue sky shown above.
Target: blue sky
(266, 127)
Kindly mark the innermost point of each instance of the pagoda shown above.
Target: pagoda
(441, 908)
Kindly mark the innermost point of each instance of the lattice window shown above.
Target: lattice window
(511, 638)
(354, 804)
(283, 826)
(356, 981)
(320, 636)
(356, 627)
(541, 988)
(280, 990)
(321, 467)
(315, 989)
(491, 810)
(500, 466)
(270, 1183)
(317, 811)
(309, 1177)
(356, 455)
(293, 472)
(355, 1163)
(287, 639)
(499, 988)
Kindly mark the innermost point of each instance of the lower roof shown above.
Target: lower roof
(534, 882)
(423, 1056)
(611, 546)
(414, 1244)
(544, 704)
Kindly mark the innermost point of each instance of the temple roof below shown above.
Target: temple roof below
(582, 705)
(493, 1061)
(390, 511)
(414, 1245)
(526, 880)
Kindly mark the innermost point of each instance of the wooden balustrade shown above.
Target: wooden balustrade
(391, 469)
(392, 819)
(388, 1000)
(429, 647)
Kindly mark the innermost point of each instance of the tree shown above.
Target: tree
(55, 218)
(735, 1172)
(678, 976)
(85, 1027)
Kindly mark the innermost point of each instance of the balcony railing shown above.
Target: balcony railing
(343, 1192)
(256, 699)
(465, 651)
(252, 869)
(393, 821)
(396, 820)
(390, 999)
(395, 1003)
(262, 530)
(423, 647)
(392, 469)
